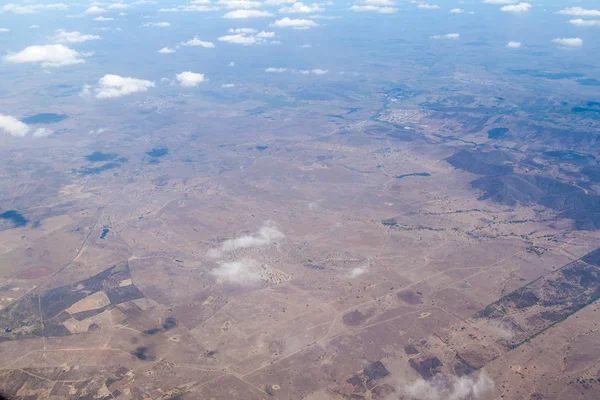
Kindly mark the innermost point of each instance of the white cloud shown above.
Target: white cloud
(358, 271)
(378, 2)
(580, 12)
(242, 30)
(301, 8)
(267, 235)
(190, 79)
(275, 70)
(315, 71)
(305, 46)
(32, 8)
(516, 8)
(513, 45)
(456, 11)
(2, 30)
(103, 19)
(166, 50)
(34, 26)
(242, 14)
(279, 2)
(95, 10)
(189, 8)
(119, 6)
(450, 36)
(157, 24)
(56, 55)
(584, 22)
(42, 132)
(196, 42)
(231, 64)
(244, 272)
(568, 42)
(239, 38)
(265, 35)
(112, 86)
(240, 4)
(376, 9)
(294, 23)
(63, 36)
(426, 6)
(443, 387)
(13, 126)
(500, 1)
(228, 85)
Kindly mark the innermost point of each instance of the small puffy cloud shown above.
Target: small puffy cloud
(13, 126)
(450, 388)
(243, 272)
(166, 50)
(358, 271)
(279, 2)
(243, 14)
(513, 45)
(56, 55)
(42, 132)
(294, 23)
(449, 36)
(583, 22)
(579, 12)
(95, 10)
(265, 35)
(157, 24)
(228, 85)
(34, 26)
(517, 8)
(190, 79)
(275, 70)
(266, 236)
(500, 1)
(189, 8)
(315, 71)
(568, 42)
(425, 6)
(196, 42)
(231, 64)
(103, 19)
(305, 46)
(239, 38)
(119, 6)
(372, 8)
(2, 30)
(301, 8)
(112, 86)
(240, 4)
(63, 36)
(456, 11)
(242, 30)
(32, 8)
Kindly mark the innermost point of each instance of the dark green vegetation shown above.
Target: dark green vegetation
(501, 184)
(99, 156)
(97, 170)
(104, 232)
(44, 118)
(548, 300)
(548, 75)
(589, 82)
(413, 174)
(15, 217)
(22, 319)
(497, 133)
(158, 152)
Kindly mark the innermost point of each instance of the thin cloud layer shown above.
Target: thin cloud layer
(301, 8)
(56, 55)
(579, 12)
(294, 23)
(517, 8)
(243, 14)
(63, 36)
(267, 235)
(196, 42)
(568, 42)
(247, 37)
(443, 387)
(190, 79)
(157, 24)
(585, 23)
(166, 50)
(244, 272)
(513, 45)
(32, 8)
(113, 86)
(449, 36)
